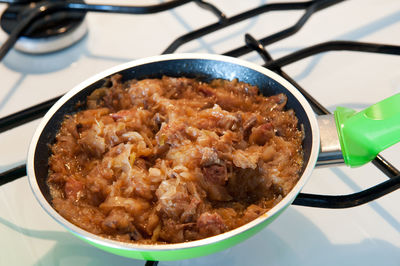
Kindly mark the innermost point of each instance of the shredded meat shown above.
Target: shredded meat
(174, 159)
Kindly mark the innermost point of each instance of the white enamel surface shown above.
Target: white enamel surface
(365, 235)
(52, 44)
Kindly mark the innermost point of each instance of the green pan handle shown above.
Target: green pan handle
(364, 134)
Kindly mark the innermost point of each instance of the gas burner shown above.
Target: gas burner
(47, 34)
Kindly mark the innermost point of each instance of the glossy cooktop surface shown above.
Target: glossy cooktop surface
(364, 235)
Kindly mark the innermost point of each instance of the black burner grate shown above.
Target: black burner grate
(251, 44)
(43, 27)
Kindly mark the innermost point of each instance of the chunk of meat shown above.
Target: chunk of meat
(118, 220)
(157, 120)
(261, 134)
(173, 134)
(172, 231)
(217, 118)
(92, 142)
(216, 192)
(210, 224)
(279, 101)
(190, 212)
(247, 158)
(248, 125)
(215, 174)
(74, 189)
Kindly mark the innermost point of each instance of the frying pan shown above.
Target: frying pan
(204, 67)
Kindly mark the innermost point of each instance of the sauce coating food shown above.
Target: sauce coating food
(174, 159)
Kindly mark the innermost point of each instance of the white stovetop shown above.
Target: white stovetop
(365, 235)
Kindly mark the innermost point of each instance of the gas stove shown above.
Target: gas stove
(338, 53)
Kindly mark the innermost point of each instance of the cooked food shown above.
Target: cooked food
(173, 159)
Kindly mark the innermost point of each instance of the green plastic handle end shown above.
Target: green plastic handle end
(366, 133)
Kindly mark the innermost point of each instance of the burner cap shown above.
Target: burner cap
(47, 34)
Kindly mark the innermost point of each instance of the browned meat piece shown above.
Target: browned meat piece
(249, 124)
(92, 143)
(158, 119)
(210, 224)
(190, 212)
(172, 231)
(215, 174)
(261, 134)
(118, 221)
(173, 134)
(217, 118)
(115, 99)
(216, 193)
(74, 189)
(279, 100)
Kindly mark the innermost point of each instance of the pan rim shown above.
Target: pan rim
(287, 200)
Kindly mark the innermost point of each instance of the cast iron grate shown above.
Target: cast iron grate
(251, 44)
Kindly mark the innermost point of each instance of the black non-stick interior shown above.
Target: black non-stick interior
(202, 69)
